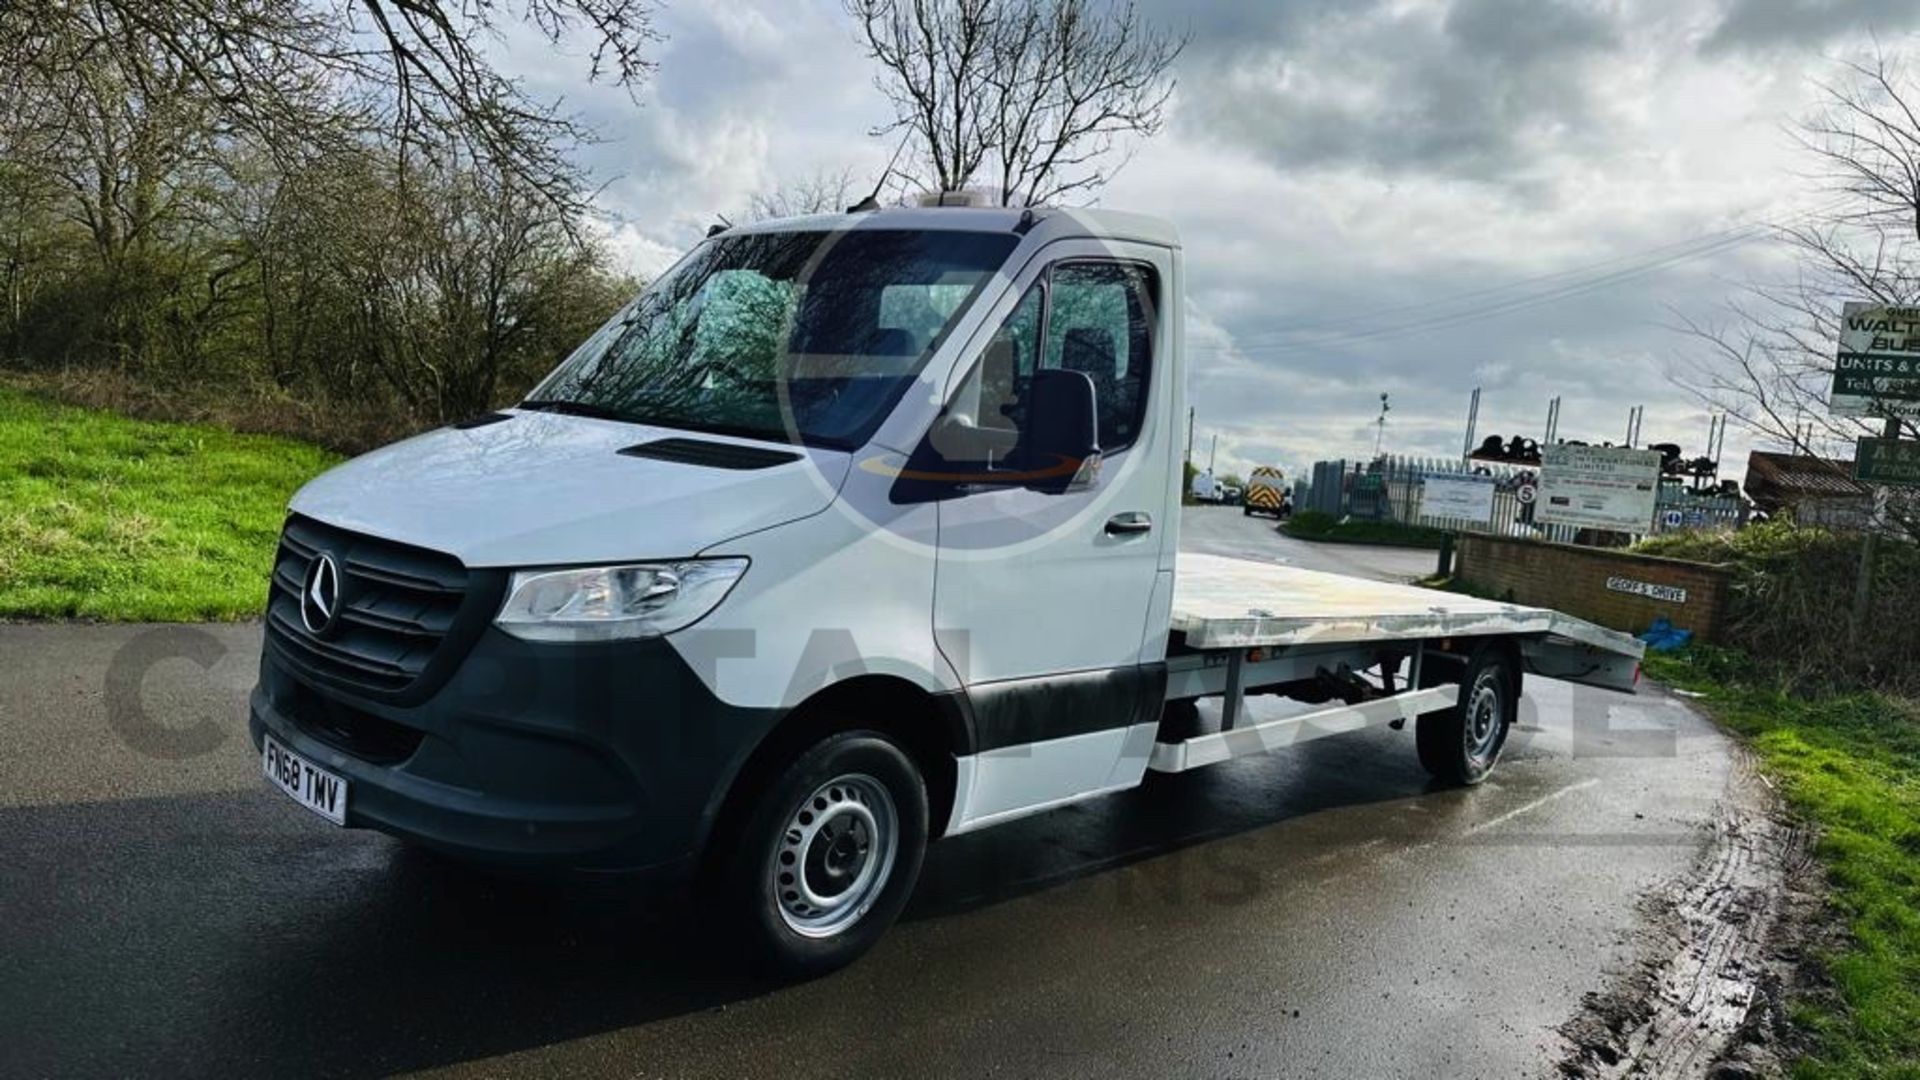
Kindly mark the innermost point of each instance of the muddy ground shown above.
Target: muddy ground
(1724, 949)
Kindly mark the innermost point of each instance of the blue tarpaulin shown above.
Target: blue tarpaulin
(1663, 636)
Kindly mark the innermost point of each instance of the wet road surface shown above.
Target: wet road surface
(1315, 912)
(1224, 530)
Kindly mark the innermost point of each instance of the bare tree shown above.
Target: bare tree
(415, 70)
(1769, 359)
(1033, 96)
(822, 192)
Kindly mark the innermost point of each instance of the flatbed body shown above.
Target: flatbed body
(1241, 626)
(1223, 603)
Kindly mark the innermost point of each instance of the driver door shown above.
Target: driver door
(1042, 598)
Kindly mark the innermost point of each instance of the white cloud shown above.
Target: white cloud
(1410, 196)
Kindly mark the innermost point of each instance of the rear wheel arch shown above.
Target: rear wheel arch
(1447, 667)
(1516, 664)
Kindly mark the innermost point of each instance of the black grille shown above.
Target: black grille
(713, 455)
(343, 727)
(398, 604)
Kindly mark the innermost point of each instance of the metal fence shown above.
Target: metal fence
(1680, 509)
(1392, 488)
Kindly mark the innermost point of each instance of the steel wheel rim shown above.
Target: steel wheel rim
(835, 855)
(1485, 717)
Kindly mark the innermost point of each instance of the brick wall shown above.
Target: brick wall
(1575, 580)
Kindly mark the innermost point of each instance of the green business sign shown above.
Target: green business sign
(1866, 380)
(1876, 369)
(1889, 462)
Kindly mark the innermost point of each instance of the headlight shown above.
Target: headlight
(607, 603)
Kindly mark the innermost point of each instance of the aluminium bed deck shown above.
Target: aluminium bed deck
(1226, 603)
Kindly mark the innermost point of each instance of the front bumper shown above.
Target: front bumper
(609, 755)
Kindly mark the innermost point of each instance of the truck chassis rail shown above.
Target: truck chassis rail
(1286, 731)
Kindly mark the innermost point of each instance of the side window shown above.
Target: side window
(989, 397)
(1100, 322)
(1091, 317)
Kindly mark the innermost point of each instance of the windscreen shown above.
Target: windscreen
(778, 335)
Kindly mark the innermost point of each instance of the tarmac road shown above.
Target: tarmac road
(1225, 530)
(1316, 912)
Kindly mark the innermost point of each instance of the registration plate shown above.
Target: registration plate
(314, 788)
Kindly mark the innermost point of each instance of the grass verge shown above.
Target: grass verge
(345, 427)
(105, 517)
(1314, 525)
(1850, 764)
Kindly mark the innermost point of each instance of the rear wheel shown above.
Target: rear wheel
(1461, 745)
(828, 855)
(1246, 511)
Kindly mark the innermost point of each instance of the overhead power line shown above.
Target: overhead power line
(1505, 306)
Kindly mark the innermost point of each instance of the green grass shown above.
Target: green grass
(103, 517)
(1315, 525)
(1849, 763)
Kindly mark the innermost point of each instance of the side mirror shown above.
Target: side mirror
(1059, 447)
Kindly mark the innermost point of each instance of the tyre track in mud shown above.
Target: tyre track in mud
(1705, 998)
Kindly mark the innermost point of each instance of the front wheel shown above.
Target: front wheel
(829, 854)
(1461, 745)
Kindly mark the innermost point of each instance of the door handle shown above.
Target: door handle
(1129, 523)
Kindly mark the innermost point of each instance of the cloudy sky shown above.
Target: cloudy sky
(1414, 197)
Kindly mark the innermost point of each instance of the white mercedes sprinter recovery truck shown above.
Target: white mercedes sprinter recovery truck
(849, 533)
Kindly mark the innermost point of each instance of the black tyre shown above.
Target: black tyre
(1246, 511)
(826, 858)
(1461, 745)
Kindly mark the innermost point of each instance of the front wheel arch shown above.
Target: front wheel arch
(932, 731)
